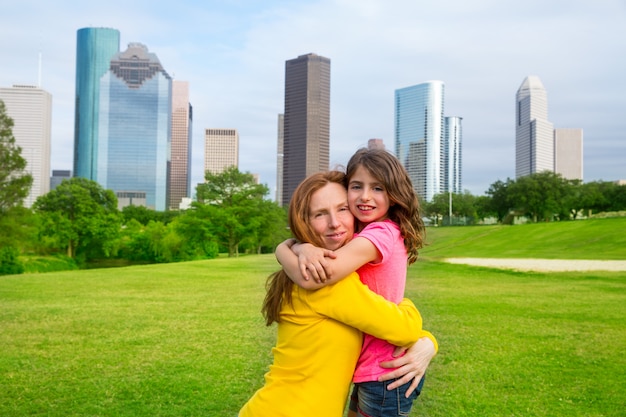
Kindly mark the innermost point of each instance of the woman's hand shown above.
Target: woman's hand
(411, 366)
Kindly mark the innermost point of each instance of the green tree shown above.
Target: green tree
(232, 200)
(80, 217)
(500, 202)
(15, 182)
(539, 195)
(269, 228)
(195, 226)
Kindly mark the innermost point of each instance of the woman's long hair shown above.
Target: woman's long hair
(279, 287)
(404, 207)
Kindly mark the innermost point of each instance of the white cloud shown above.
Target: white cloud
(233, 56)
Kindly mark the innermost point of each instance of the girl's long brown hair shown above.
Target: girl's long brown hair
(404, 206)
(279, 287)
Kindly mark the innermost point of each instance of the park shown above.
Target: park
(188, 339)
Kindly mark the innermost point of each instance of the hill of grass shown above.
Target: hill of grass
(582, 239)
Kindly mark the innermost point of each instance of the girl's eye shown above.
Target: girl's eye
(379, 189)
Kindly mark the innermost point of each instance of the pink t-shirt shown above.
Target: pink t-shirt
(387, 278)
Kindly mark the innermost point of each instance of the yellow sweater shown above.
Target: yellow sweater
(319, 341)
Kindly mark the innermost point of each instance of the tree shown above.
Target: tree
(500, 203)
(540, 195)
(232, 200)
(15, 182)
(81, 217)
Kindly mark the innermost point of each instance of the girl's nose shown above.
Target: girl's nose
(365, 194)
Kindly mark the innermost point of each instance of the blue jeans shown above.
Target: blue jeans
(373, 399)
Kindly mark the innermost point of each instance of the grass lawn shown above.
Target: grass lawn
(188, 339)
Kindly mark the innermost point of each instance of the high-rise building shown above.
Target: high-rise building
(538, 145)
(94, 49)
(419, 136)
(375, 143)
(452, 155)
(221, 150)
(568, 153)
(534, 136)
(307, 120)
(30, 108)
(279, 158)
(58, 176)
(180, 169)
(134, 127)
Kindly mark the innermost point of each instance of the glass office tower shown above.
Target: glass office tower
(452, 155)
(94, 49)
(419, 135)
(134, 127)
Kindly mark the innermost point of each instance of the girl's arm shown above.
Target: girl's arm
(295, 270)
(302, 262)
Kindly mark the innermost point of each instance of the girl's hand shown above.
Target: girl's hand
(312, 261)
(411, 366)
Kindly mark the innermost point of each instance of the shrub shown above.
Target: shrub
(9, 262)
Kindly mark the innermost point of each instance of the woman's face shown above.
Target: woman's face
(330, 217)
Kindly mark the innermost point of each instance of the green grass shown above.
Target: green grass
(188, 339)
(582, 239)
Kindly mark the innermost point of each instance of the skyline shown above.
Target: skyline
(234, 55)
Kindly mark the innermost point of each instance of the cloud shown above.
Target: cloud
(233, 56)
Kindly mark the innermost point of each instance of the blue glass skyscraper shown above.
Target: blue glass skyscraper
(94, 49)
(419, 135)
(134, 128)
(452, 151)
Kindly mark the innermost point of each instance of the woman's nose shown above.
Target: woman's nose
(333, 221)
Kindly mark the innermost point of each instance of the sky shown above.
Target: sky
(233, 55)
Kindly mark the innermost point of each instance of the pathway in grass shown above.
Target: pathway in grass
(543, 265)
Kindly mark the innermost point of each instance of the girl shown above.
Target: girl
(390, 233)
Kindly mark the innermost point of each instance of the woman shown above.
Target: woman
(320, 332)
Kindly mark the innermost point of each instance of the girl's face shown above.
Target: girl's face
(330, 217)
(367, 197)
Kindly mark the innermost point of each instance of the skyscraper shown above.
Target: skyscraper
(30, 108)
(419, 136)
(376, 143)
(134, 127)
(307, 120)
(538, 146)
(534, 134)
(453, 155)
(180, 169)
(221, 150)
(94, 49)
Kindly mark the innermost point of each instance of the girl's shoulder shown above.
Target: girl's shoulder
(384, 227)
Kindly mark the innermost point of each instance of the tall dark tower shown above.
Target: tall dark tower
(307, 120)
